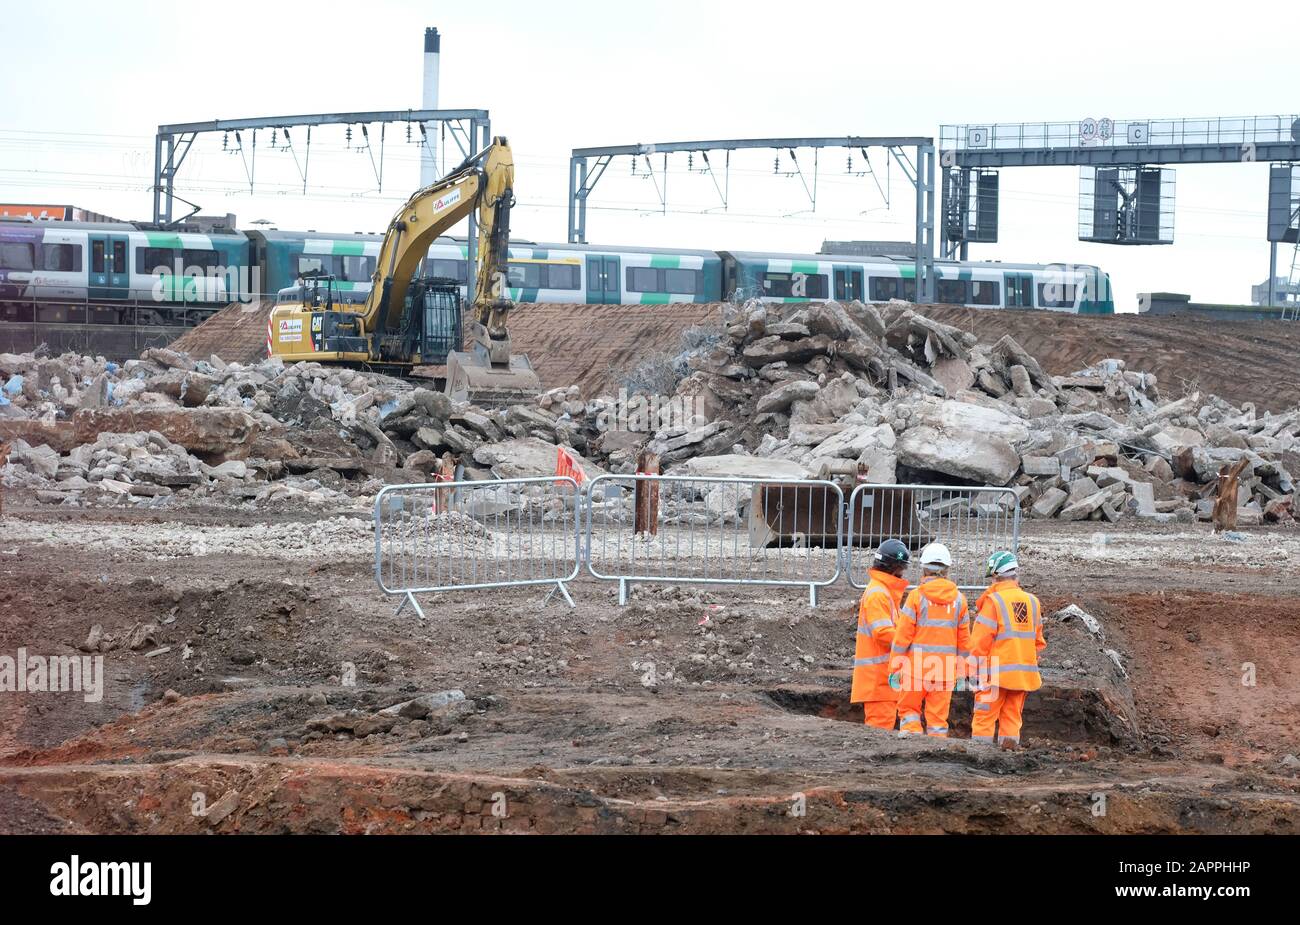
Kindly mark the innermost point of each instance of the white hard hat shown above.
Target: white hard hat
(936, 554)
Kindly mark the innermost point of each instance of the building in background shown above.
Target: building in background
(41, 211)
(1286, 292)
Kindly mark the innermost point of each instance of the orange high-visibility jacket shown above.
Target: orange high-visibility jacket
(934, 621)
(877, 614)
(1008, 630)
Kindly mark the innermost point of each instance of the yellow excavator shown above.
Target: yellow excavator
(411, 325)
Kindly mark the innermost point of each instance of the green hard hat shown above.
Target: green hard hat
(1001, 562)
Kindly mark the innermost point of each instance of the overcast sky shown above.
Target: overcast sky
(86, 84)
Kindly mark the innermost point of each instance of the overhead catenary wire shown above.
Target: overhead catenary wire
(326, 155)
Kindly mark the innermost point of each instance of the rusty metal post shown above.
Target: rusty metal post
(445, 472)
(646, 495)
(1225, 501)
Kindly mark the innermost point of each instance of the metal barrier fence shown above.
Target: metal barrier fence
(971, 522)
(673, 529)
(487, 534)
(713, 531)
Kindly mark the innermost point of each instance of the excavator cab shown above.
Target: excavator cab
(441, 304)
(311, 291)
(430, 326)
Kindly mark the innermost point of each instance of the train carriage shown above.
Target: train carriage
(535, 273)
(170, 267)
(114, 273)
(1075, 288)
(118, 273)
(283, 257)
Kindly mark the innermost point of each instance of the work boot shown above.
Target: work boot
(1010, 745)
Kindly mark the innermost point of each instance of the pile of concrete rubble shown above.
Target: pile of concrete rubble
(168, 429)
(903, 398)
(783, 391)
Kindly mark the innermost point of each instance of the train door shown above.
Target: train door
(1019, 290)
(595, 280)
(848, 284)
(109, 276)
(603, 281)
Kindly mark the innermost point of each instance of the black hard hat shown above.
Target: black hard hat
(893, 552)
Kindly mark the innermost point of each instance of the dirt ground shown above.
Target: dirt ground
(1242, 361)
(689, 710)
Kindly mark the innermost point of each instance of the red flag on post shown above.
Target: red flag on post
(566, 465)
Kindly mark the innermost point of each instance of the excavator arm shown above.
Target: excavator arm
(485, 181)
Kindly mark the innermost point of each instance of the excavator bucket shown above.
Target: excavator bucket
(792, 514)
(879, 514)
(809, 515)
(470, 377)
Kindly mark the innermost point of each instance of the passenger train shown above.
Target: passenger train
(118, 273)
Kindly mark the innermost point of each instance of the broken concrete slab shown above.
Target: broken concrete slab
(853, 441)
(741, 467)
(1050, 504)
(528, 458)
(200, 430)
(783, 396)
(1041, 465)
(976, 457)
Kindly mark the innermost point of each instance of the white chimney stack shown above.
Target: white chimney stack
(428, 160)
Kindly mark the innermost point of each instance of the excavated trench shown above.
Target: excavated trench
(1079, 716)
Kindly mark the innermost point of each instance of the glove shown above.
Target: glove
(895, 681)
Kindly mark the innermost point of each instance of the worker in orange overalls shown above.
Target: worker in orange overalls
(1005, 641)
(931, 643)
(877, 614)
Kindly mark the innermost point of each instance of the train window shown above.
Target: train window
(954, 291)
(524, 276)
(96, 257)
(1056, 295)
(450, 269)
(149, 260)
(356, 269)
(204, 260)
(883, 288)
(683, 281)
(17, 256)
(984, 292)
(309, 264)
(908, 287)
(60, 258)
(119, 257)
(562, 276)
(794, 285)
(642, 279)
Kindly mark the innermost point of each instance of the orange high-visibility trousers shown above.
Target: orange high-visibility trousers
(880, 713)
(998, 706)
(934, 704)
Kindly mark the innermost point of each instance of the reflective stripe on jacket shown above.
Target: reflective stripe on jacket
(877, 614)
(1008, 631)
(934, 621)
